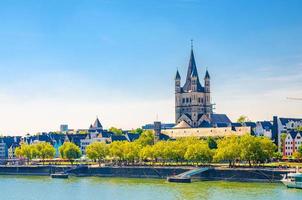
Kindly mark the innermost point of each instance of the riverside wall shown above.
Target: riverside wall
(227, 174)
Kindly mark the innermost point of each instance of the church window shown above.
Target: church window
(183, 100)
(201, 100)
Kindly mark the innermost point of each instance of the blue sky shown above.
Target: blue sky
(66, 61)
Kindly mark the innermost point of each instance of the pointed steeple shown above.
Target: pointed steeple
(97, 123)
(177, 76)
(192, 72)
(207, 76)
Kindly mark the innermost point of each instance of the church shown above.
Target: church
(193, 106)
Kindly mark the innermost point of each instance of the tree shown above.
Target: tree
(300, 149)
(137, 131)
(97, 151)
(243, 119)
(228, 149)
(44, 150)
(130, 151)
(297, 155)
(147, 153)
(212, 143)
(116, 150)
(116, 131)
(299, 128)
(70, 151)
(146, 138)
(25, 151)
(199, 152)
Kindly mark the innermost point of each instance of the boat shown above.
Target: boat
(292, 180)
(59, 175)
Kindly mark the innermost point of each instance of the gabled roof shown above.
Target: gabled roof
(97, 124)
(132, 136)
(182, 124)
(266, 125)
(220, 118)
(205, 124)
(286, 120)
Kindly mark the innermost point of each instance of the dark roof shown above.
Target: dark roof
(192, 72)
(266, 125)
(97, 124)
(250, 124)
(220, 118)
(118, 138)
(132, 136)
(222, 125)
(207, 75)
(205, 124)
(236, 124)
(177, 76)
(286, 120)
(293, 134)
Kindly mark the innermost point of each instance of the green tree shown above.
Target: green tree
(116, 150)
(228, 149)
(116, 131)
(300, 149)
(199, 152)
(299, 128)
(147, 153)
(130, 151)
(146, 138)
(243, 119)
(97, 151)
(137, 131)
(25, 151)
(212, 143)
(277, 155)
(70, 151)
(44, 150)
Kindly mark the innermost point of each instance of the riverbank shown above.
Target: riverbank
(213, 174)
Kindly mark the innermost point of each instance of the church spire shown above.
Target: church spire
(192, 72)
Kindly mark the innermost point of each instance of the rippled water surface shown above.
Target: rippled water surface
(45, 188)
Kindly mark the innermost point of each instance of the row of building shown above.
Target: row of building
(82, 138)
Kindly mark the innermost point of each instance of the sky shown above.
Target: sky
(68, 61)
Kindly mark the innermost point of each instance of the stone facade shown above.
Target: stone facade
(206, 132)
(192, 100)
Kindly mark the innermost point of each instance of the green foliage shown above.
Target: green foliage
(299, 128)
(146, 138)
(44, 150)
(300, 149)
(137, 131)
(199, 152)
(116, 131)
(277, 155)
(97, 151)
(246, 148)
(70, 151)
(25, 151)
(243, 119)
(228, 149)
(212, 143)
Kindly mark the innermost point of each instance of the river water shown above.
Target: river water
(92, 188)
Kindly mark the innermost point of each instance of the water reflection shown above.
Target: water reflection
(13, 187)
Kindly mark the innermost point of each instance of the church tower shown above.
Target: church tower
(192, 101)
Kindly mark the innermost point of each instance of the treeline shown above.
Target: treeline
(233, 150)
